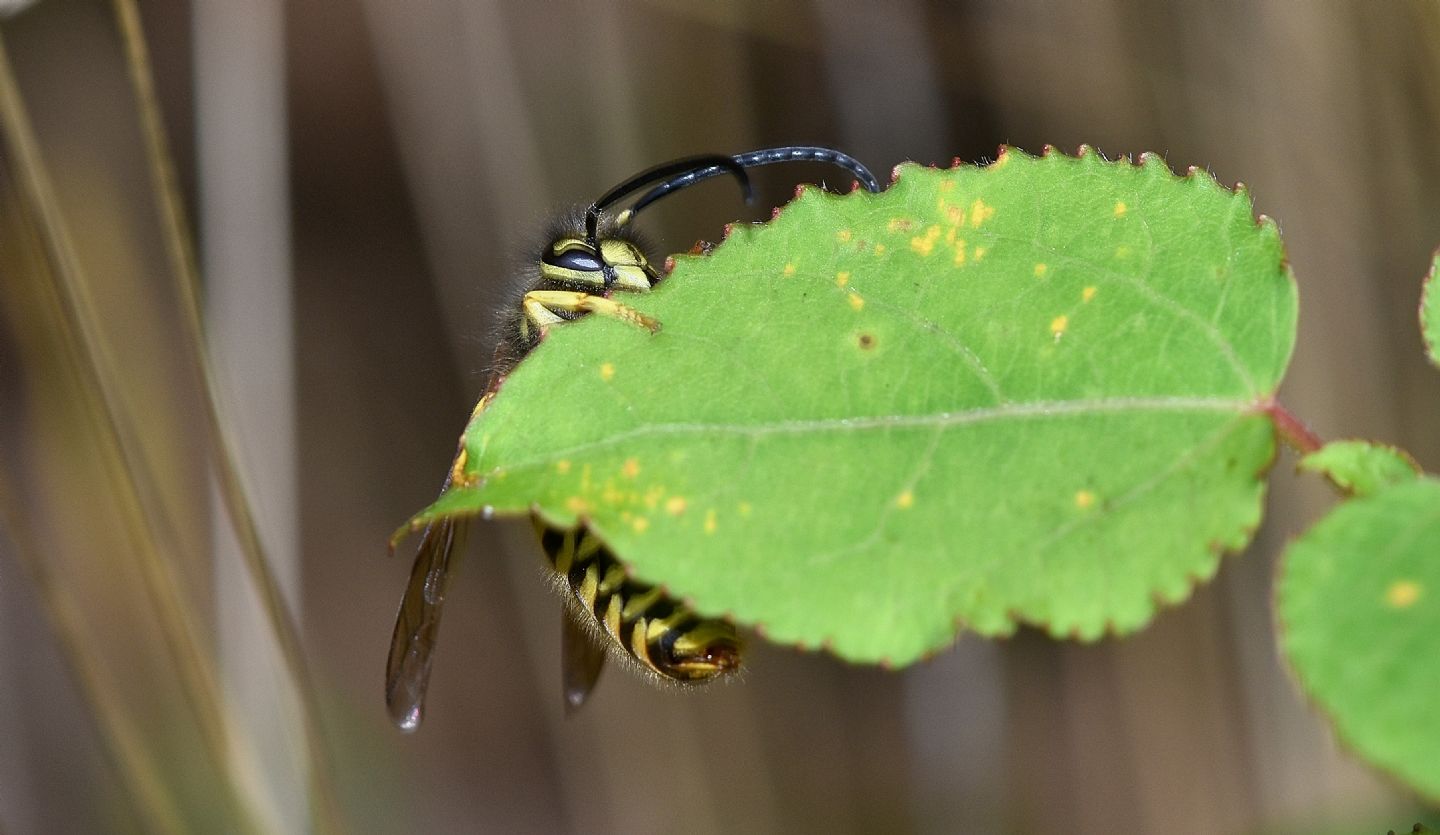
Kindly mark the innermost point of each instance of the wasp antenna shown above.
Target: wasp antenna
(811, 153)
(754, 159)
(714, 163)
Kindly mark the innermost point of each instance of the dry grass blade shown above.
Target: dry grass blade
(128, 473)
(176, 230)
(154, 802)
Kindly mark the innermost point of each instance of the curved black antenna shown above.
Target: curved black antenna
(713, 163)
(754, 159)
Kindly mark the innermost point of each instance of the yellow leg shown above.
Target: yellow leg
(542, 308)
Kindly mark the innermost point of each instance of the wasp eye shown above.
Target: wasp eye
(574, 259)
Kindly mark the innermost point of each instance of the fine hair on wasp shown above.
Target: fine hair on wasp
(588, 257)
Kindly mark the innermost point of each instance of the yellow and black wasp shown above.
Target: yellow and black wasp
(588, 256)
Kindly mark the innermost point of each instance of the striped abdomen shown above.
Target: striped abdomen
(662, 634)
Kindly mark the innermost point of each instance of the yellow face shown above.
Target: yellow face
(618, 265)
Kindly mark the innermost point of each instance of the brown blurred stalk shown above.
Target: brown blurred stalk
(219, 446)
(96, 487)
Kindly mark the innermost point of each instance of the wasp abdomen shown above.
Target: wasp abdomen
(663, 635)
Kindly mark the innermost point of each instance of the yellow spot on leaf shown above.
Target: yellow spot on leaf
(960, 254)
(710, 521)
(879, 249)
(575, 504)
(841, 279)
(1040, 270)
(630, 468)
(1088, 293)
(980, 252)
(744, 508)
(607, 371)
(1120, 208)
(947, 185)
(640, 524)
(675, 505)
(1058, 325)
(899, 224)
(905, 500)
(1084, 499)
(980, 211)
(1402, 594)
(955, 214)
(562, 466)
(789, 270)
(652, 496)
(925, 244)
(1122, 251)
(843, 235)
(856, 301)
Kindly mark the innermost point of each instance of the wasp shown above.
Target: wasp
(588, 257)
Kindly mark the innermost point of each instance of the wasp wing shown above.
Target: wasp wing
(581, 660)
(582, 657)
(417, 624)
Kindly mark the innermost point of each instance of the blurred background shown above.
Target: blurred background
(362, 179)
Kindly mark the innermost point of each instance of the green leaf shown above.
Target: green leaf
(1361, 467)
(1359, 604)
(1430, 312)
(1031, 392)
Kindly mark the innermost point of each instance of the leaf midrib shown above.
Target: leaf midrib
(937, 420)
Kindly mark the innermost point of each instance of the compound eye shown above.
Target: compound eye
(578, 260)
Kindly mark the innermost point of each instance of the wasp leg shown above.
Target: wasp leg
(543, 309)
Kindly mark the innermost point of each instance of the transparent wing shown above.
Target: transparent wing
(581, 660)
(417, 624)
